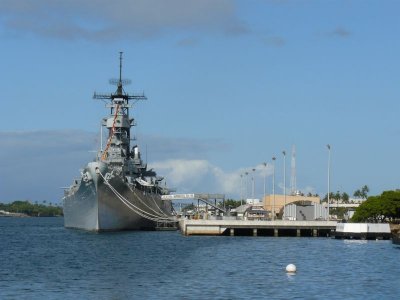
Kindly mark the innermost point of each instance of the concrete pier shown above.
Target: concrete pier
(257, 228)
(363, 231)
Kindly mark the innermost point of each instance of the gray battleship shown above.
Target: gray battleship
(117, 191)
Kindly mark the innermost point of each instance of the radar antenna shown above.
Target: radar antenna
(120, 93)
(115, 81)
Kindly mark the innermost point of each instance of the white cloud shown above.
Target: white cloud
(105, 20)
(201, 176)
(34, 164)
(181, 171)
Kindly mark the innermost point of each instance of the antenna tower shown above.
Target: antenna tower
(293, 188)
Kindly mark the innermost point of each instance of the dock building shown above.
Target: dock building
(275, 203)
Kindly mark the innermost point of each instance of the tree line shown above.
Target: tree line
(381, 208)
(361, 193)
(33, 210)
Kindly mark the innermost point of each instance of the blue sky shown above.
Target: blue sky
(230, 84)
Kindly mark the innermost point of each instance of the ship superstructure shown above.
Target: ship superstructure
(116, 191)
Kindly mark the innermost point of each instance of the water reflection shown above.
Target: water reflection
(355, 242)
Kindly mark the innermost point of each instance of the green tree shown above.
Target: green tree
(337, 196)
(382, 208)
(357, 194)
(231, 203)
(362, 193)
(339, 212)
(30, 209)
(345, 197)
(331, 197)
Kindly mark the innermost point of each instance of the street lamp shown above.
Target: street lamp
(273, 188)
(247, 173)
(252, 183)
(265, 175)
(329, 176)
(284, 180)
(241, 189)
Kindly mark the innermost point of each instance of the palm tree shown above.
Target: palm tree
(364, 191)
(345, 197)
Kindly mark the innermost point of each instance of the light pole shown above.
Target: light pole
(273, 188)
(247, 190)
(329, 176)
(252, 185)
(265, 175)
(284, 180)
(241, 189)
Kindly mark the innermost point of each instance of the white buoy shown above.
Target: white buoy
(291, 268)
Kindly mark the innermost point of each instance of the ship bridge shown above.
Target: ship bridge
(208, 199)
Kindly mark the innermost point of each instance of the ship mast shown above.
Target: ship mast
(119, 90)
(118, 122)
(120, 67)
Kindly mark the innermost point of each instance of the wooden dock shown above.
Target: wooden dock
(257, 228)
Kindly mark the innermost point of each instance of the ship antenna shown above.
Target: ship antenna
(120, 68)
(119, 89)
(119, 82)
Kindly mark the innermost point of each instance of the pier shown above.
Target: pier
(276, 228)
(363, 231)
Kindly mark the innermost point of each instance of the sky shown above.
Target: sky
(230, 84)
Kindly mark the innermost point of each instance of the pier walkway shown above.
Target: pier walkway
(257, 228)
(205, 198)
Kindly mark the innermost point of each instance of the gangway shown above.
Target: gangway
(199, 197)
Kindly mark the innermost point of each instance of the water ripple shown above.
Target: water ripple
(40, 259)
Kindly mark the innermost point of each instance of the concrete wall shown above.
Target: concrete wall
(363, 227)
(275, 228)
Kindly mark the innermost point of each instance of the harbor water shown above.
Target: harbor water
(40, 259)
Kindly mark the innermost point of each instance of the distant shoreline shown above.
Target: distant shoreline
(12, 215)
(8, 214)
(22, 209)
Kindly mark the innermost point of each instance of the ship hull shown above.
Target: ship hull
(95, 207)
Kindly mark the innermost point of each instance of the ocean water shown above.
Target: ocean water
(40, 259)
